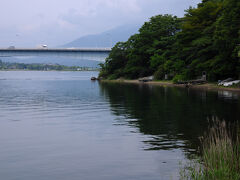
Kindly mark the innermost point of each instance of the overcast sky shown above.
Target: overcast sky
(28, 23)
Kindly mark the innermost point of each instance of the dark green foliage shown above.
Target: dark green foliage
(115, 62)
(135, 58)
(178, 78)
(227, 37)
(207, 39)
(160, 73)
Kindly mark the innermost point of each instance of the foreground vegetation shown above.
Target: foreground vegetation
(206, 39)
(220, 155)
(41, 67)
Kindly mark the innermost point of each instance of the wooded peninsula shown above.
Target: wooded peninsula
(206, 39)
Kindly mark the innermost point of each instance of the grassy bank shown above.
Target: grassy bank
(220, 155)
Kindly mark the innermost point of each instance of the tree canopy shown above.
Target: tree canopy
(206, 39)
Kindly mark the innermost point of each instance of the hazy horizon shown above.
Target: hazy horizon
(32, 23)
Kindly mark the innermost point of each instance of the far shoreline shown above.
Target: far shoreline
(2, 70)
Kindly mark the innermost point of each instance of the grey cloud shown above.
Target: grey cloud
(59, 22)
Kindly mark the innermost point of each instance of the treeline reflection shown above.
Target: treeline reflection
(171, 117)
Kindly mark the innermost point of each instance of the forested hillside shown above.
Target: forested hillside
(206, 39)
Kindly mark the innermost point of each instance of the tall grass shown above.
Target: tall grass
(220, 158)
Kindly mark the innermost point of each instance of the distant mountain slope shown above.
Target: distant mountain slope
(105, 39)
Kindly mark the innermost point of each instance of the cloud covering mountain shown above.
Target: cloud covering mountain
(28, 23)
(105, 39)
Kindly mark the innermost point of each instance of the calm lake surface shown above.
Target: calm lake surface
(60, 125)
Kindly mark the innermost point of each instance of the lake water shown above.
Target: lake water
(60, 125)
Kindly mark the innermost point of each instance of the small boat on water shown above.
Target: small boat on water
(146, 79)
(93, 78)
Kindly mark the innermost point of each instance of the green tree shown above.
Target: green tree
(195, 41)
(141, 54)
(227, 39)
(115, 62)
(207, 39)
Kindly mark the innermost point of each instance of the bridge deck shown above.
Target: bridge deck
(56, 50)
(97, 54)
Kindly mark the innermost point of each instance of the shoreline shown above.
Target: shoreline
(207, 86)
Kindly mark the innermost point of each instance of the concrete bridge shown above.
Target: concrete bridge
(97, 54)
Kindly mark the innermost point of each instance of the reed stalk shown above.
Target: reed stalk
(220, 158)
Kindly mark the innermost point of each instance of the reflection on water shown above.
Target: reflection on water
(172, 117)
(60, 125)
(227, 95)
